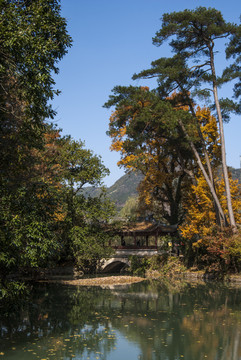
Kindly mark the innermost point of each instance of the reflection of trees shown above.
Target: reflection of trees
(174, 317)
(165, 321)
(59, 318)
(208, 337)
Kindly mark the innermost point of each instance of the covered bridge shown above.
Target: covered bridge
(142, 235)
(140, 239)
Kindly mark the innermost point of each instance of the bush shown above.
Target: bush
(220, 252)
(172, 266)
(138, 266)
(157, 261)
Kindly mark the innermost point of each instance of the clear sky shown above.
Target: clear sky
(112, 40)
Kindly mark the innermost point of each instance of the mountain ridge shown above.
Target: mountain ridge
(120, 191)
(126, 186)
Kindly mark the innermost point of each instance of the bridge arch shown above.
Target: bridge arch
(115, 265)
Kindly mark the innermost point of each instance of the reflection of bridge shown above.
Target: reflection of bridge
(120, 259)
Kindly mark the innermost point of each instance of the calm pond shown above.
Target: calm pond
(149, 321)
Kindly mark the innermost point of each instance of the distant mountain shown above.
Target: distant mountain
(127, 185)
(236, 174)
(121, 190)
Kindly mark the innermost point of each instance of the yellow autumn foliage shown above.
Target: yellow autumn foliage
(209, 129)
(117, 146)
(60, 215)
(200, 213)
(127, 161)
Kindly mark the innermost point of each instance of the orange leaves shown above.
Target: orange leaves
(60, 215)
(128, 161)
(112, 117)
(145, 88)
(117, 135)
(122, 131)
(178, 104)
(117, 146)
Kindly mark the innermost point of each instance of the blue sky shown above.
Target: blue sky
(112, 40)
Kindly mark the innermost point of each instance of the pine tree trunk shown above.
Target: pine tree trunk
(209, 167)
(223, 151)
(209, 182)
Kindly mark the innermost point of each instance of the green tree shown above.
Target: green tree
(80, 167)
(33, 38)
(146, 131)
(130, 209)
(193, 35)
(31, 212)
(84, 237)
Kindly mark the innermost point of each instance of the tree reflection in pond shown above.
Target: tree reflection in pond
(148, 321)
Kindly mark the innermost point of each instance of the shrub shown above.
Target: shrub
(138, 266)
(220, 251)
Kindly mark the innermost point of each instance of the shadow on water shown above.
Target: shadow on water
(149, 320)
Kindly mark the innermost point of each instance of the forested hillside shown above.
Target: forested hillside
(126, 186)
(120, 191)
(236, 174)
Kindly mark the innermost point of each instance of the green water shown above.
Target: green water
(148, 321)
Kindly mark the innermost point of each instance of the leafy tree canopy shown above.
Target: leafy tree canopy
(33, 38)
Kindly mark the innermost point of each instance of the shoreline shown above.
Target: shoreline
(98, 281)
(232, 278)
(193, 276)
(116, 280)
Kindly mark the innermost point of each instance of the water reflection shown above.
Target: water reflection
(148, 321)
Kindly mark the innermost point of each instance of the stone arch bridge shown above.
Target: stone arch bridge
(120, 259)
(140, 239)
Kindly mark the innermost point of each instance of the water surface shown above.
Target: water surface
(148, 321)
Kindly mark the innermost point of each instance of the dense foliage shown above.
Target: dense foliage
(43, 216)
(145, 130)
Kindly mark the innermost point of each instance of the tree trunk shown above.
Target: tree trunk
(209, 167)
(223, 151)
(209, 182)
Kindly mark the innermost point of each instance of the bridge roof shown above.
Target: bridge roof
(145, 228)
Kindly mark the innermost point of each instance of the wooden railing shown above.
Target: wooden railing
(134, 247)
